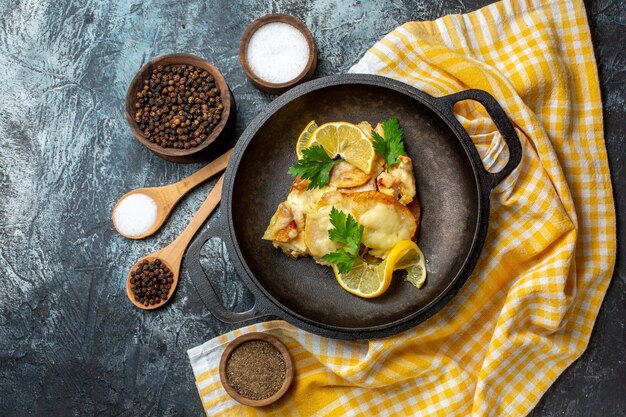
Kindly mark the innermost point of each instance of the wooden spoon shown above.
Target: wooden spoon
(167, 196)
(172, 254)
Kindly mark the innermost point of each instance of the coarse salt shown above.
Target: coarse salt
(135, 214)
(277, 52)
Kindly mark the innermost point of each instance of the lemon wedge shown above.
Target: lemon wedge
(372, 280)
(407, 255)
(347, 141)
(364, 279)
(304, 138)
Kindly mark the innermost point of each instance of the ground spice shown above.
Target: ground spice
(150, 282)
(256, 369)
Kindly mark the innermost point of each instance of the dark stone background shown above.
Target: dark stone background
(70, 342)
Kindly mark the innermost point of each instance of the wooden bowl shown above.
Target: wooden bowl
(289, 369)
(203, 150)
(260, 83)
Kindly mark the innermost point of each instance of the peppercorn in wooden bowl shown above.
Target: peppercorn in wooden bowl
(180, 107)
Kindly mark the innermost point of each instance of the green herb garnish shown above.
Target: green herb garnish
(392, 145)
(315, 166)
(345, 230)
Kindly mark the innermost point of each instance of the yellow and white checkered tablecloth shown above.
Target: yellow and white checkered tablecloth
(527, 311)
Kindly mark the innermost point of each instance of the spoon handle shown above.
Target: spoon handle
(177, 248)
(198, 177)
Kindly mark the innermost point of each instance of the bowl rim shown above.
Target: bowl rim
(274, 341)
(177, 59)
(308, 69)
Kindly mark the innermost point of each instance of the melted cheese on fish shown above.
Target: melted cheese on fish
(384, 226)
(316, 233)
(377, 201)
(385, 222)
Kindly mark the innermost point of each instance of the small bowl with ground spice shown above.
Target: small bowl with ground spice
(277, 52)
(256, 369)
(178, 105)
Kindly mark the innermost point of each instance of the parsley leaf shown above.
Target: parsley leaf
(315, 165)
(392, 145)
(345, 230)
(342, 259)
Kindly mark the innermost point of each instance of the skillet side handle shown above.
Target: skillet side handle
(501, 121)
(202, 282)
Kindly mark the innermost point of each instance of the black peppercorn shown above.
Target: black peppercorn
(151, 282)
(174, 99)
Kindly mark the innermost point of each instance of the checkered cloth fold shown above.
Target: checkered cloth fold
(527, 311)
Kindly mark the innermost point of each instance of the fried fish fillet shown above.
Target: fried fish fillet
(385, 222)
(399, 181)
(377, 200)
(287, 224)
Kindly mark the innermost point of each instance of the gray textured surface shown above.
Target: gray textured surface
(70, 342)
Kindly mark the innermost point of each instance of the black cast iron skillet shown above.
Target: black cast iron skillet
(452, 185)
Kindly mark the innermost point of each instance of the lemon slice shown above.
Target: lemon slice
(364, 279)
(407, 255)
(372, 280)
(304, 138)
(347, 141)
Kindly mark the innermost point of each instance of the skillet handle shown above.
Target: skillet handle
(501, 121)
(207, 290)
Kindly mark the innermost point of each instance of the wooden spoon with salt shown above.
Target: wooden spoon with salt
(167, 196)
(172, 255)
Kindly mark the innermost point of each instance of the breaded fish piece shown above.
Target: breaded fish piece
(377, 200)
(283, 232)
(385, 222)
(287, 224)
(399, 181)
(346, 175)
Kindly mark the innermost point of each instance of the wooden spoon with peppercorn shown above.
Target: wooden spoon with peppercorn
(154, 278)
(167, 196)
